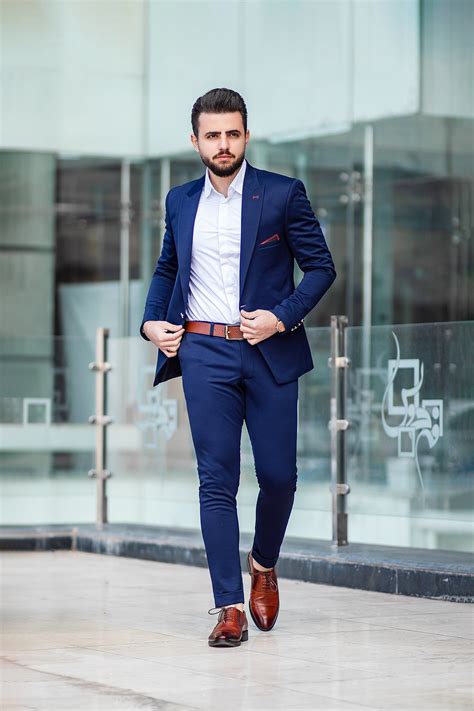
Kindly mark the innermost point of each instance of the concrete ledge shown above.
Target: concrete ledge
(420, 572)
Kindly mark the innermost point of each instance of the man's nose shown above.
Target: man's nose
(224, 145)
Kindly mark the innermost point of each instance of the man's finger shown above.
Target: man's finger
(249, 314)
(171, 340)
(247, 331)
(174, 333)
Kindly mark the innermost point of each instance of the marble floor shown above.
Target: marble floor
(84, 631)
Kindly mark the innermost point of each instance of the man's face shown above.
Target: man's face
(221, 135)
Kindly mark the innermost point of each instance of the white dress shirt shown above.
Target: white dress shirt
(214, 282)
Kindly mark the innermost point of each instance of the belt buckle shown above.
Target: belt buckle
(228, 338)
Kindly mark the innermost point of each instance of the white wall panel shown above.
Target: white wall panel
(386, 58)
(119, 77)
(71, 76)
(448, 58)
(297, 66)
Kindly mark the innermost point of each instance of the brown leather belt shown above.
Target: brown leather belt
(231, 332)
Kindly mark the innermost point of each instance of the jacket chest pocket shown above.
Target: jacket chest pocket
(273, 240)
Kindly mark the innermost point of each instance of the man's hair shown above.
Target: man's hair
(218, 101)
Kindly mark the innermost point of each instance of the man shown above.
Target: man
(223, 310)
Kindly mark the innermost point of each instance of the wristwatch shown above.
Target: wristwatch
(283, 330)
(280, 326)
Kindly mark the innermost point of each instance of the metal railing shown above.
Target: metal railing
(101, 367)
(338, 425)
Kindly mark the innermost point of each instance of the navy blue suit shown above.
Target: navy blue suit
(271, 204)
(227, 382)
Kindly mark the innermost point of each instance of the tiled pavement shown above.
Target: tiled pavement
(85, 631)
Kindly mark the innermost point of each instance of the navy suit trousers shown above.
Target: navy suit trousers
(226, 382)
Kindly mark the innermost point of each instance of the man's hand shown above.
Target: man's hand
(257, 325)
(157, 332)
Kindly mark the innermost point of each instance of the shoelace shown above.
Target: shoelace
(268, 582)
(223, 610)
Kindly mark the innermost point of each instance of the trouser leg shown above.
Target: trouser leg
(271, 419)
(215, 404)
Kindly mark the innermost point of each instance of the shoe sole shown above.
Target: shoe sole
(263, 629)
(229, 642)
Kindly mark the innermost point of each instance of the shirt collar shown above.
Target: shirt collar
(236, 185)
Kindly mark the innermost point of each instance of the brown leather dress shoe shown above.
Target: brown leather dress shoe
(264, 603)
(231, 628)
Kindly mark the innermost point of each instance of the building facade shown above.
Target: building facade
(370, 103)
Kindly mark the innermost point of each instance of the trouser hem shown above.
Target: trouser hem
(229, 598)
(266, 562)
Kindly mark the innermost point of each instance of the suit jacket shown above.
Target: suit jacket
(277, 226)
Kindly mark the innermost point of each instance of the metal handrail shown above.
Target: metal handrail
(338, 425)
(100, 420)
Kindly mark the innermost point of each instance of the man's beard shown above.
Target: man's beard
(221, 169)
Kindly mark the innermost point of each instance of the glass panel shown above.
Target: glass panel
(88, 223)
(46, 443)
(410, 452)
(88, 249)
(423, 220)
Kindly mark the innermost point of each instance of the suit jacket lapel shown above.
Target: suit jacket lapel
(187, 216)
(252, 201)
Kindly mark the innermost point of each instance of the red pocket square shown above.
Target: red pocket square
(274, 237)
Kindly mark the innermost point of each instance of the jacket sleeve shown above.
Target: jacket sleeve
(164, 277)
(308, 245)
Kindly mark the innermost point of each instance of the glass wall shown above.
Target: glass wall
(410, 461)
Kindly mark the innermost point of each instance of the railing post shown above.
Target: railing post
(100, 420)
(338, 424)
